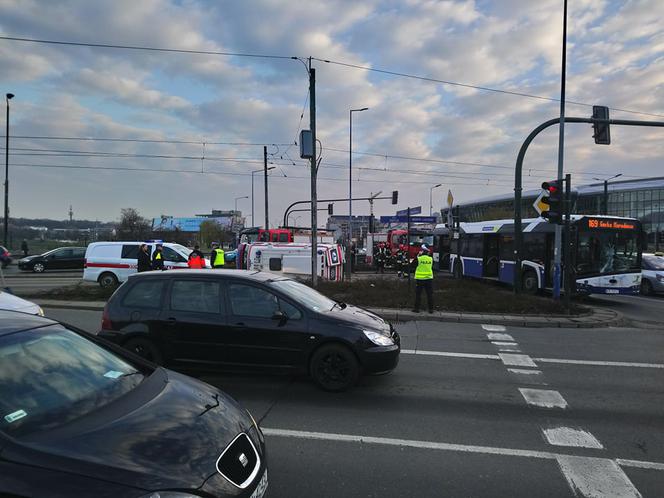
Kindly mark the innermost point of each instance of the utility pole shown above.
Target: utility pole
(561, 152)
(71, 214)
(7, 97)
(267, 220)
(314, 174)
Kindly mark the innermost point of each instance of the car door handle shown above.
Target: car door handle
(240, 324)
(171, 321)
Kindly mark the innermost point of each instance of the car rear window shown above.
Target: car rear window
(51, 376)
(144, 294)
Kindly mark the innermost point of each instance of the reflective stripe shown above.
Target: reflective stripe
(424, 270)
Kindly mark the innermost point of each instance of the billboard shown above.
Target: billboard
(171, 224)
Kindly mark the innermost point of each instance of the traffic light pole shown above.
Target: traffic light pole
(518, 177)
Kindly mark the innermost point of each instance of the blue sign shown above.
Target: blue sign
(169, 224)
(404, 219)
(415, 210)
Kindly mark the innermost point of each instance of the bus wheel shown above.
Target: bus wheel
(646, 287)
(529, 282)
(457, 272)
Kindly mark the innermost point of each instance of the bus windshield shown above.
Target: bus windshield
(605, 252)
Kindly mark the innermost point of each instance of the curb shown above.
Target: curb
(596, 317)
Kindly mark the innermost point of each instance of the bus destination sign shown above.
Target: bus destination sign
(611, 224)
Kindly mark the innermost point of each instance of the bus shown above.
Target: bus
(605, 253)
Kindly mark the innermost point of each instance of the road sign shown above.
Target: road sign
(540, 206)
(415, 210)
(404, 219)
(450, 198)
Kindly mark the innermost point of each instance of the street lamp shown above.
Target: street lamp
(7, 98)
(605, 203)
(350, 186)
(252, 189)
(296, 218)
(237, 199)
(431, 198)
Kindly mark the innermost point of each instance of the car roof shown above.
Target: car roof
(256, 276)
(15, 321)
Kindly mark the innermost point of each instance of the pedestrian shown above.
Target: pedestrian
(143, 259)
(158, 258)
(24, 247)
(424, 278)
(217, 256)
(381, 257)
(196, 259)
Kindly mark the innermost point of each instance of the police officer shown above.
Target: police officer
(158, 258)
(217, 256)
(424, 278)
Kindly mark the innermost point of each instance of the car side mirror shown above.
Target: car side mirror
(280, 316)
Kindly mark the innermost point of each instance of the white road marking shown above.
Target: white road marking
(591, 363)
(453, 355)
(500, 337)
(543, 398)
(517, 360)
(510, 347)
(569, 436)
(494, 328)
(432, 445)
(601, 363)
(528, 376)
(596, 477)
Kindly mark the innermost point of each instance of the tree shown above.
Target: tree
(132, 225)
(211, 231)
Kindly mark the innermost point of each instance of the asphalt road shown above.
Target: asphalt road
(25, 283)
(646, 309)
(571, 411)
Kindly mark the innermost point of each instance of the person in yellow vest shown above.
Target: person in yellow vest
(424, 278)
(217, 256)
(158, 258)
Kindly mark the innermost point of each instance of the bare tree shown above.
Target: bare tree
(132, 225)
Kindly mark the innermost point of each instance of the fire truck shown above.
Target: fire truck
(255, 234)
(397, 239)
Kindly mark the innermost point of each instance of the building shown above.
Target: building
(642, 199)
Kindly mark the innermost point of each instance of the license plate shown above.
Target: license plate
(261, 488)
(612, 291)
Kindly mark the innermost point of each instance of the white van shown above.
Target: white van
(112, 262)
(295, 259)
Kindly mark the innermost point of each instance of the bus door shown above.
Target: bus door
(491, 259)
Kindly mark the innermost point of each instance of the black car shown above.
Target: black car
(81, 417)
(62, 258)
(239, 319)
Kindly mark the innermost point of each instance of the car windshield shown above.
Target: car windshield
(51, 376)
(654, 262)
(304, 295)
(606, 252)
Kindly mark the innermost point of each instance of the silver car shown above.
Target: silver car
(14, 303)
(652, 266)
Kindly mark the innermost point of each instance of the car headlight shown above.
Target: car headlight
(660, 277)
(255, 427)
(170, 494)
(40, 311)
(378, 339)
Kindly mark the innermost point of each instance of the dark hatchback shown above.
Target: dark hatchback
(62, 258)
(239, 320)
(81, 417)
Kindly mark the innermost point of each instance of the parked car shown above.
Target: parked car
(62, 258)
(110, 263)
(240, 319)
(14, 303)
(652, 273)
(5, 257)
(81, 417)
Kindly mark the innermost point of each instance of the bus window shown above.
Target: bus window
(534, 247)
(506, 247)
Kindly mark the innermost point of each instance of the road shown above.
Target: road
(526, 412)
(645, 309)
(25, 283)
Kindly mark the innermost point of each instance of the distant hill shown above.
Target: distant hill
(50, 224)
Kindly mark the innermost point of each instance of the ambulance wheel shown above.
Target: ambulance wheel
(334, 368)
(108, 280)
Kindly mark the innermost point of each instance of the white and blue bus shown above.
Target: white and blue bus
(605, 253)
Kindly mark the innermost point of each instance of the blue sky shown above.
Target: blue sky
(467, 139)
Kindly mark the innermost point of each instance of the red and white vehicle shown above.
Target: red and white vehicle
(294, 259)
(110, 263)
(398, 238)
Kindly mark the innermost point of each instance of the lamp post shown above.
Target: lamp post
(7, 98)
(431, 198)
(350, 188)
(252, 190)
(296, 218)
(605, 202)
(235, 216)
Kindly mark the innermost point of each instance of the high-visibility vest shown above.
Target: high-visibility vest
(424, 270)
(219, 258)
(158, 255)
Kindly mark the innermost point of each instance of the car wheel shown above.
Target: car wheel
(108, 280)
(529, 282)
(38, 268)
(145, 348)
(334, 368)
(646, 287)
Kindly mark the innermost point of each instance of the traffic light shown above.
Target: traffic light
(601, 132)
(395, 196)
(330, 209)
(554, 199)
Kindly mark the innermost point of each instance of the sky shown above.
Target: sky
(179, 133)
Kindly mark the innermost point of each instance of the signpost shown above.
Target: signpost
(404, 219)
(415, 210)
